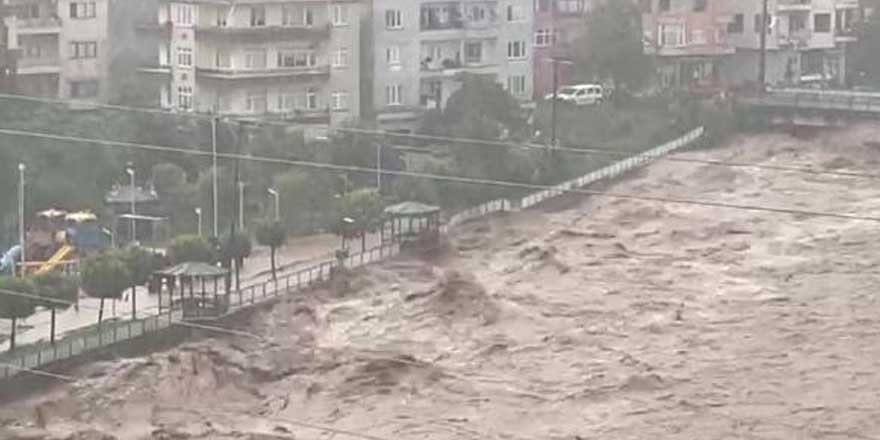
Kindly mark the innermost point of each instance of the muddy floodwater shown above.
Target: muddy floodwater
(595, 318)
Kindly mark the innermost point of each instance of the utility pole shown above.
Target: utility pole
(214, 176)
(762, 63)
(379, 167)
(231, 259)
(22, 231)
(553, 106)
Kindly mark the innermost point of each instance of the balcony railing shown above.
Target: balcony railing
(270, 72)
(43, 25)
(319, 32)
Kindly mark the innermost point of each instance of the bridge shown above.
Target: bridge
(811, 107)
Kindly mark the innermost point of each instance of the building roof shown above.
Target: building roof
(123, 194)
(411, 209)
(193, 269)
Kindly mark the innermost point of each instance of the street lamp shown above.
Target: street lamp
(277, 197)
(241, 205)
(130, 171)
(214, 171)
(199, 216)
(21, 228)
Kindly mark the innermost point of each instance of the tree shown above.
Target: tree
(360, 212)
(14, 307)
(60, 292)
(272, 234)
(235, 248)
(176, 195)
(105, 276)
(306, 200)
(612, 46)
(141, 264)
(191, 248)
(864, 59)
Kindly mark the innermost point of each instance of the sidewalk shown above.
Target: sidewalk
(299, 252)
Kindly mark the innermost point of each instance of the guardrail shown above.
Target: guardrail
(836, 100)
(115, 332)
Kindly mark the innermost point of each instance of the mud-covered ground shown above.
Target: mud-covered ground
(593, 319)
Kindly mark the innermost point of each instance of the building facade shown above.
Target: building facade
(689, 41)
(558, 25)
(8, 55)
(806, 40)
(292, 60)
(420, 49)
(63, 47)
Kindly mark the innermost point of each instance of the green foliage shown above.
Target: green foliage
(105, 276)
(141, 264)
(306, 200)
(60, 290)
(226, 195)
(612, 46)
(17, 307)
(271, 234)
(191, 248)
(364, 207)
(482, 109)
(239, 247)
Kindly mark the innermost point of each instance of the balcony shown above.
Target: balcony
(158, 69)
(39, 66)
(846, 4)
(264, 33)
(794, 5)
(797, 39)
(38, 26)
(267, 73)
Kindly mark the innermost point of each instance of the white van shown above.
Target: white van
(580, 94)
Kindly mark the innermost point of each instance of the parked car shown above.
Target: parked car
(580, 94)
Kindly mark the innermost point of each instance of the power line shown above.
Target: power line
(472, 142)
(440, 177)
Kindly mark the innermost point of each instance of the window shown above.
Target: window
(570, 6)
(515, 13)
(516, 85)
(83, 49)
(393, 19)
(82, 10)
(256, 101)
(286, 101)
(698, 37)
(737, 25)
(182, 14)
(516, 50)
(478, 13)
(340, 57)
(255, 59)
(33, 51)
(758, 26)
(672, 35)
(258, 15)
(29, 11)
(221, 16)
(84, 89)
(645, 5)
(822, 23)
(184, 57)
(545, 37)
(339, 14)
(297, 58)
(392, 55)
(184, 97)
(394, 94)
(339, 101)
(700, 5)
(223, 60)
(473, 52)
(543, 5)
(665, 5)
(297, 16)
(311, 99)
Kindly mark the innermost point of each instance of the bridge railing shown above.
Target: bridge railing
(838, 100)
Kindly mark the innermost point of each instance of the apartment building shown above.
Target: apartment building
(8, 55)
(421, 48)
(688, 39)
(295, 60)
(63, 47)
(558, 24)
(806, 40)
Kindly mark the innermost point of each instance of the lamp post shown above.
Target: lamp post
(241, 205)
(131, 174)
(379, 167)
(199, 217)
(21, 228)
(277, 197)
(214, 174)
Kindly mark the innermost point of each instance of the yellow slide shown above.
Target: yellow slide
(55, 261)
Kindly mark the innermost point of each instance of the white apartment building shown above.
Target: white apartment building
(288, 59)
(806, 40)
(63, 47)
(420, 48)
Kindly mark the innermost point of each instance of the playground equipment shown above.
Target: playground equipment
(56, 240)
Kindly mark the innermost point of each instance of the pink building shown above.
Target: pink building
(558, 23)
(688, 38)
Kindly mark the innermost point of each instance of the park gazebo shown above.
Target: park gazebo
(411, 222)
(198, 285)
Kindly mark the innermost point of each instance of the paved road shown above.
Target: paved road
(298, 253)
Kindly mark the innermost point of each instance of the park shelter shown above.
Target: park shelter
(192, 287)
(411, 221)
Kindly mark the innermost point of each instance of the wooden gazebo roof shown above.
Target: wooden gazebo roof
(411, 209)
(192, 270)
